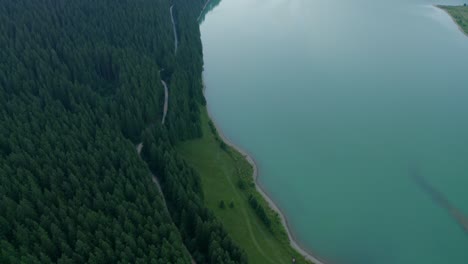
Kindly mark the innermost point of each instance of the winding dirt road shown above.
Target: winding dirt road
(176, 40)
(203, 10)
(139, 147)
(166, 101)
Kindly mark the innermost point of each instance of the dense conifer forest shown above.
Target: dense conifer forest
(80, 87)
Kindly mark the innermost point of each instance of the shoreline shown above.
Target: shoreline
(441, 7)
(293, 241)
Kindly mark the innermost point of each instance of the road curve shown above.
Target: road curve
(203, 10)
(176, 40)
(166, 101)
(139, 147)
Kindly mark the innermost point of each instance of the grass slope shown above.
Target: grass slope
(221, 169)
(459, 14)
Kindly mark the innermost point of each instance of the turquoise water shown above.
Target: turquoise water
(336, 100)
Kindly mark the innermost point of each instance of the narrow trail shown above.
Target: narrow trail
(176, 45)
(246, 217)
(139, 147)
(176, 40)
(440, 199)
(203, 10)
(166, 101)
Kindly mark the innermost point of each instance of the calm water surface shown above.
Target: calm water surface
(336, 100)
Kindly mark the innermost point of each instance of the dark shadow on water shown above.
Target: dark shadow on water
(439, 198)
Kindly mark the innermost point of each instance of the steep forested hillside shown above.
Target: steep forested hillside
(80, 86)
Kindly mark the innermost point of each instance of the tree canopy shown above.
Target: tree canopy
(80, 86)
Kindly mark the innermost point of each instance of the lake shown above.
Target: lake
(338, 102)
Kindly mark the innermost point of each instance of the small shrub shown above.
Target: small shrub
(259, 210)
(212, 127)
(241, 184)
(223, 145)
(221, 204)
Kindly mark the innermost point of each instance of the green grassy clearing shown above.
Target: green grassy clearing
(459, 14)
(221, 169)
